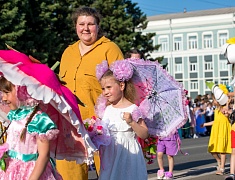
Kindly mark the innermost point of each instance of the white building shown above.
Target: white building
(191, 45)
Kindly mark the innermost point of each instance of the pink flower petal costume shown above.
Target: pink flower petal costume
(58, 120)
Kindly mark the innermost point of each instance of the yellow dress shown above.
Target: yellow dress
(79, 72)
(220, 138)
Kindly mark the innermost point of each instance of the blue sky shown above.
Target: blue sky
(156, 7)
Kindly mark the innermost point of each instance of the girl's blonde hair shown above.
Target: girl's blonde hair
(23, 132)
(129, 90)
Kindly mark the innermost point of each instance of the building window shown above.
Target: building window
(164, 63)
(193, 85)
(224, 81)
(193, 67)
(178, 44)
(192, 42)
(222, 38)
(223, 65)
(207, 41)
(178, 65)
(163, 41)
(208, 65)
(178, 68)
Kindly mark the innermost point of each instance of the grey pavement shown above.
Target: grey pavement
(198, 165)
(202, 173)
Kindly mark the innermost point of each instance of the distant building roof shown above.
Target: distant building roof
(192, 14)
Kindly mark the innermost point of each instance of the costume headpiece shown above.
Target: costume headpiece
(24, 99)
(228, 50)
(43, 85)
(122, 70)
(220, 92)
(101, 69)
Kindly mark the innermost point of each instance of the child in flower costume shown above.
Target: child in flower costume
(45, 121)
(26, 128)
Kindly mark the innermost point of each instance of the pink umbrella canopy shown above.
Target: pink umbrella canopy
(161, 98)
(73, 142)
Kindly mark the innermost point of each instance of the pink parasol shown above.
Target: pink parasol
(73, 142)
(161, 98)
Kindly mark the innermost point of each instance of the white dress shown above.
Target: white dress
(123, 158)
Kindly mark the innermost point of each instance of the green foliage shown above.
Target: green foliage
(39, 28)
(43, 28)
(123, 22)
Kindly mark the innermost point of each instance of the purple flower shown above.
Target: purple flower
(101, 69)
(122, 70)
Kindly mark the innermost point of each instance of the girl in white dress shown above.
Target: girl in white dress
(123, 157)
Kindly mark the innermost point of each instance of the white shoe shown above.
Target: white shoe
(195, 136)
(160, 174)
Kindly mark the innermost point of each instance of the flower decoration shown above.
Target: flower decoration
(25, 99)
(187, 102)
(98, 131)
(149, 147)
(223, 88)
(3, 155)
(101, 69)
(122, 70)
(89, 124)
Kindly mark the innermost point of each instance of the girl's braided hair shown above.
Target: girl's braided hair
(23, 133)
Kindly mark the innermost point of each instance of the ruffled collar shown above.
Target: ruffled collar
(18, 114)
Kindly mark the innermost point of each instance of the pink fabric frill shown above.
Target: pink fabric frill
(49, 135)
(15, 167)
(73, 142)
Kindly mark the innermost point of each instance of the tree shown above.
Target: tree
(40, 28)
(123, 22)
(43, 28)
(12, 22)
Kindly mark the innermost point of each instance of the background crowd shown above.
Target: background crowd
(200, 110)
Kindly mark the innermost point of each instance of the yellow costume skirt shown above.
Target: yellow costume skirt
(70, 170)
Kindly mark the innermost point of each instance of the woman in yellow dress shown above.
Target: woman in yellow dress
(77, 69)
